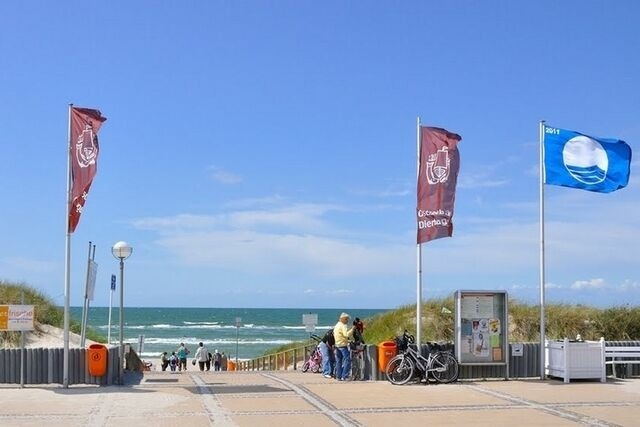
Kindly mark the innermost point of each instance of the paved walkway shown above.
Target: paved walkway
(295, 399)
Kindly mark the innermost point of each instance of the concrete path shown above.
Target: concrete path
(296, 399)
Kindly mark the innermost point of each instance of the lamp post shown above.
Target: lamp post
(121, 250)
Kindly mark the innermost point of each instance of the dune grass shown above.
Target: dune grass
(561, 320)
(46, 312)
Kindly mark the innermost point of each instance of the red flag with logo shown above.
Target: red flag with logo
(437, 177)
(85, 124)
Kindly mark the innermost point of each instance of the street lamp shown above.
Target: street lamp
(121, 250)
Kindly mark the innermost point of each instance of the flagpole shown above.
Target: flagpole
(542, 278)
(85, 305)
(67, 264)
(418, 255)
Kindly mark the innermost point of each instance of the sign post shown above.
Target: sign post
(17, 318)
(238, 325)
(310, 321)
(113, 288)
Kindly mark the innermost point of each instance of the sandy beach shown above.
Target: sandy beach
(48, 336)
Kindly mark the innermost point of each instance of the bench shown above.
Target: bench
(621, 355)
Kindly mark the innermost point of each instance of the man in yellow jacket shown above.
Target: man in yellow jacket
(342, 335)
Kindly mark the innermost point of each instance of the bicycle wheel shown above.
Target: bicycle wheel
(400, 370)
(315, 368)
(444, 367)
(305, 366)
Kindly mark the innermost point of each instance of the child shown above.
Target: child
(173, 361)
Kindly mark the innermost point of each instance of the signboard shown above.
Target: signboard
(16, 317)
(113, 282)
(310, 321)
(238, 322)
(91, 279)
(517, 349)
(481, 328)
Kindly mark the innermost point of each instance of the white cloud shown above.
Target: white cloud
(261, 252)
(296, 217)
(629, 285)
(391, 190)
(480, 180)
(180, 221)
(224, 177)
(589, 284)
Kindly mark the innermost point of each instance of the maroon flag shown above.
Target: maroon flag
(437, 177)
(85, 124)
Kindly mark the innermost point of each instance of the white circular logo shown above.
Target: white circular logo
(585, 160)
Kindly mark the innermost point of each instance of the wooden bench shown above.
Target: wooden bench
(621, 355)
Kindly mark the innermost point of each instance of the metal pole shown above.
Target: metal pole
(110, 305)
(120, 371)
(85, 305)
(418, 256)
(67, 265)
(237, 331)
(542, 278)
(22, 351)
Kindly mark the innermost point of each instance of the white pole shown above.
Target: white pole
(67, 265)
(121, 314)
(418, 256)
(85, 305)
(22, 350)
(542, 279)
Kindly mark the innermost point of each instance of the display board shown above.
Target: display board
(481, 327)
(16, 317)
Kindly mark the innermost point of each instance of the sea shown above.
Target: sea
(151, 331)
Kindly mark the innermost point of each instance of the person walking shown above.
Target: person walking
(164, 360)
(182, 356)
(342, 334)
(217, 360)
(357, 350)
(173, 361)
(202, 357)
(326, 346)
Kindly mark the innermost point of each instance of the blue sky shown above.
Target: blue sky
(262, 153)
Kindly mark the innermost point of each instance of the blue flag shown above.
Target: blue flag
(572, 159)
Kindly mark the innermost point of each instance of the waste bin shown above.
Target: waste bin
(231, 365)
(386, 351)
(97, 360)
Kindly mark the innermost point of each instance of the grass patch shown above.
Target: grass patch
(46, 312)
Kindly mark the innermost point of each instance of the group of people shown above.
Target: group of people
(177, 361)
(338, 345)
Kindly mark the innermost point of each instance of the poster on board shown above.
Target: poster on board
(481, 326)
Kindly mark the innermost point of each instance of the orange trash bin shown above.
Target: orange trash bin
(386, 351)
(231, 365)
(97, 360)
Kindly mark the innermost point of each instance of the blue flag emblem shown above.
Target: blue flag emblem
(572, 159)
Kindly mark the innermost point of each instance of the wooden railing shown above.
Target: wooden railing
(284, 360)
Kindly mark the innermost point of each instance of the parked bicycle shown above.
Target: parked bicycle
(314, 362)
(409, 364)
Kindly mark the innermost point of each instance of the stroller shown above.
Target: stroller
(314, 362)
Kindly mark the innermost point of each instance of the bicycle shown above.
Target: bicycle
(314, 362)
(441, 365)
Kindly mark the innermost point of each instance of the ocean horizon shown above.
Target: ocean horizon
(162, 329)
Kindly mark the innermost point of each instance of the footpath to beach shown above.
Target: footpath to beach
(290, 398)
